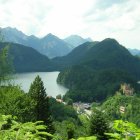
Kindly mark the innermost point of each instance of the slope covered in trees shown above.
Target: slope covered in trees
(98, 72)
(88, 85)
(102, 55)
(131, 105)
(27, 59)
(73, 57)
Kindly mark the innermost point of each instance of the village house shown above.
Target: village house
(127, 89)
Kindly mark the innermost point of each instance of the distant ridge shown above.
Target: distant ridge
(134, 51)
(76, 40)
(49, 45)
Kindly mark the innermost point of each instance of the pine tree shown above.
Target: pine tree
(41, 110)
(6, 66)
(99, 125)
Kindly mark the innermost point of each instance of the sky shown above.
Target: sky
(97, 19)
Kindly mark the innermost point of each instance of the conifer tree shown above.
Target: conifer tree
(99, 125)
(6, 66)
(41, 110)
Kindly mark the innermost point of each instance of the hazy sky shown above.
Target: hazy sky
(98, 19)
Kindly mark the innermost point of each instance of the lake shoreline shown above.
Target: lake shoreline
(49, 79)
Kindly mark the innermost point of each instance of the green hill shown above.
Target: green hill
(101, 55)
(131, 104)
(27, 59)
(74, 57)
(89, 85)
(98, 70)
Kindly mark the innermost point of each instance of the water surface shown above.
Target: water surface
(48, 78)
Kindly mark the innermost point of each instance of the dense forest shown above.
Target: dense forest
(24, 58)
(107, 54)
(98, 70)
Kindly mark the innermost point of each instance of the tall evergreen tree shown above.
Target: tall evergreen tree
(99, 125)
(6, 66)
(41, 110)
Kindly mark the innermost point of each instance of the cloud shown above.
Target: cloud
(117, 20)
(95, 18)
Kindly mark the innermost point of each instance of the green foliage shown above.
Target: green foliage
(68, 129)
(69, 102)
(42, 108)
(99, 125)
(61, 111)
(24, 58)
(59, 96)
(14, 101)
(124, 130)
(5, 61)
(65, 129)
(107, 54)
(85, 125)
(87, 85)
(86, 138)
(10, 129)
(5, 64)
(131, 104)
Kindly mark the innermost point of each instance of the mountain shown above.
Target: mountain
(98, 70)
(27, 59)
(49, 45)
(134, 51)
(74, 57)
(52, 46)
(76, 40)
(101, 55)
(138, 54)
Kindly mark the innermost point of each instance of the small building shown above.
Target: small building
(122, 109)
(127, 89)
(59, 100)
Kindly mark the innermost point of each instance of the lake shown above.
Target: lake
(48, 78)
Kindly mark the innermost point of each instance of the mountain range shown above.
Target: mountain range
(50, 45)
(96, 55)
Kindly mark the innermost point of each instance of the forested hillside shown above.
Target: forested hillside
(88, 85)
(26, 59)
(97, 72)
(101, 55)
